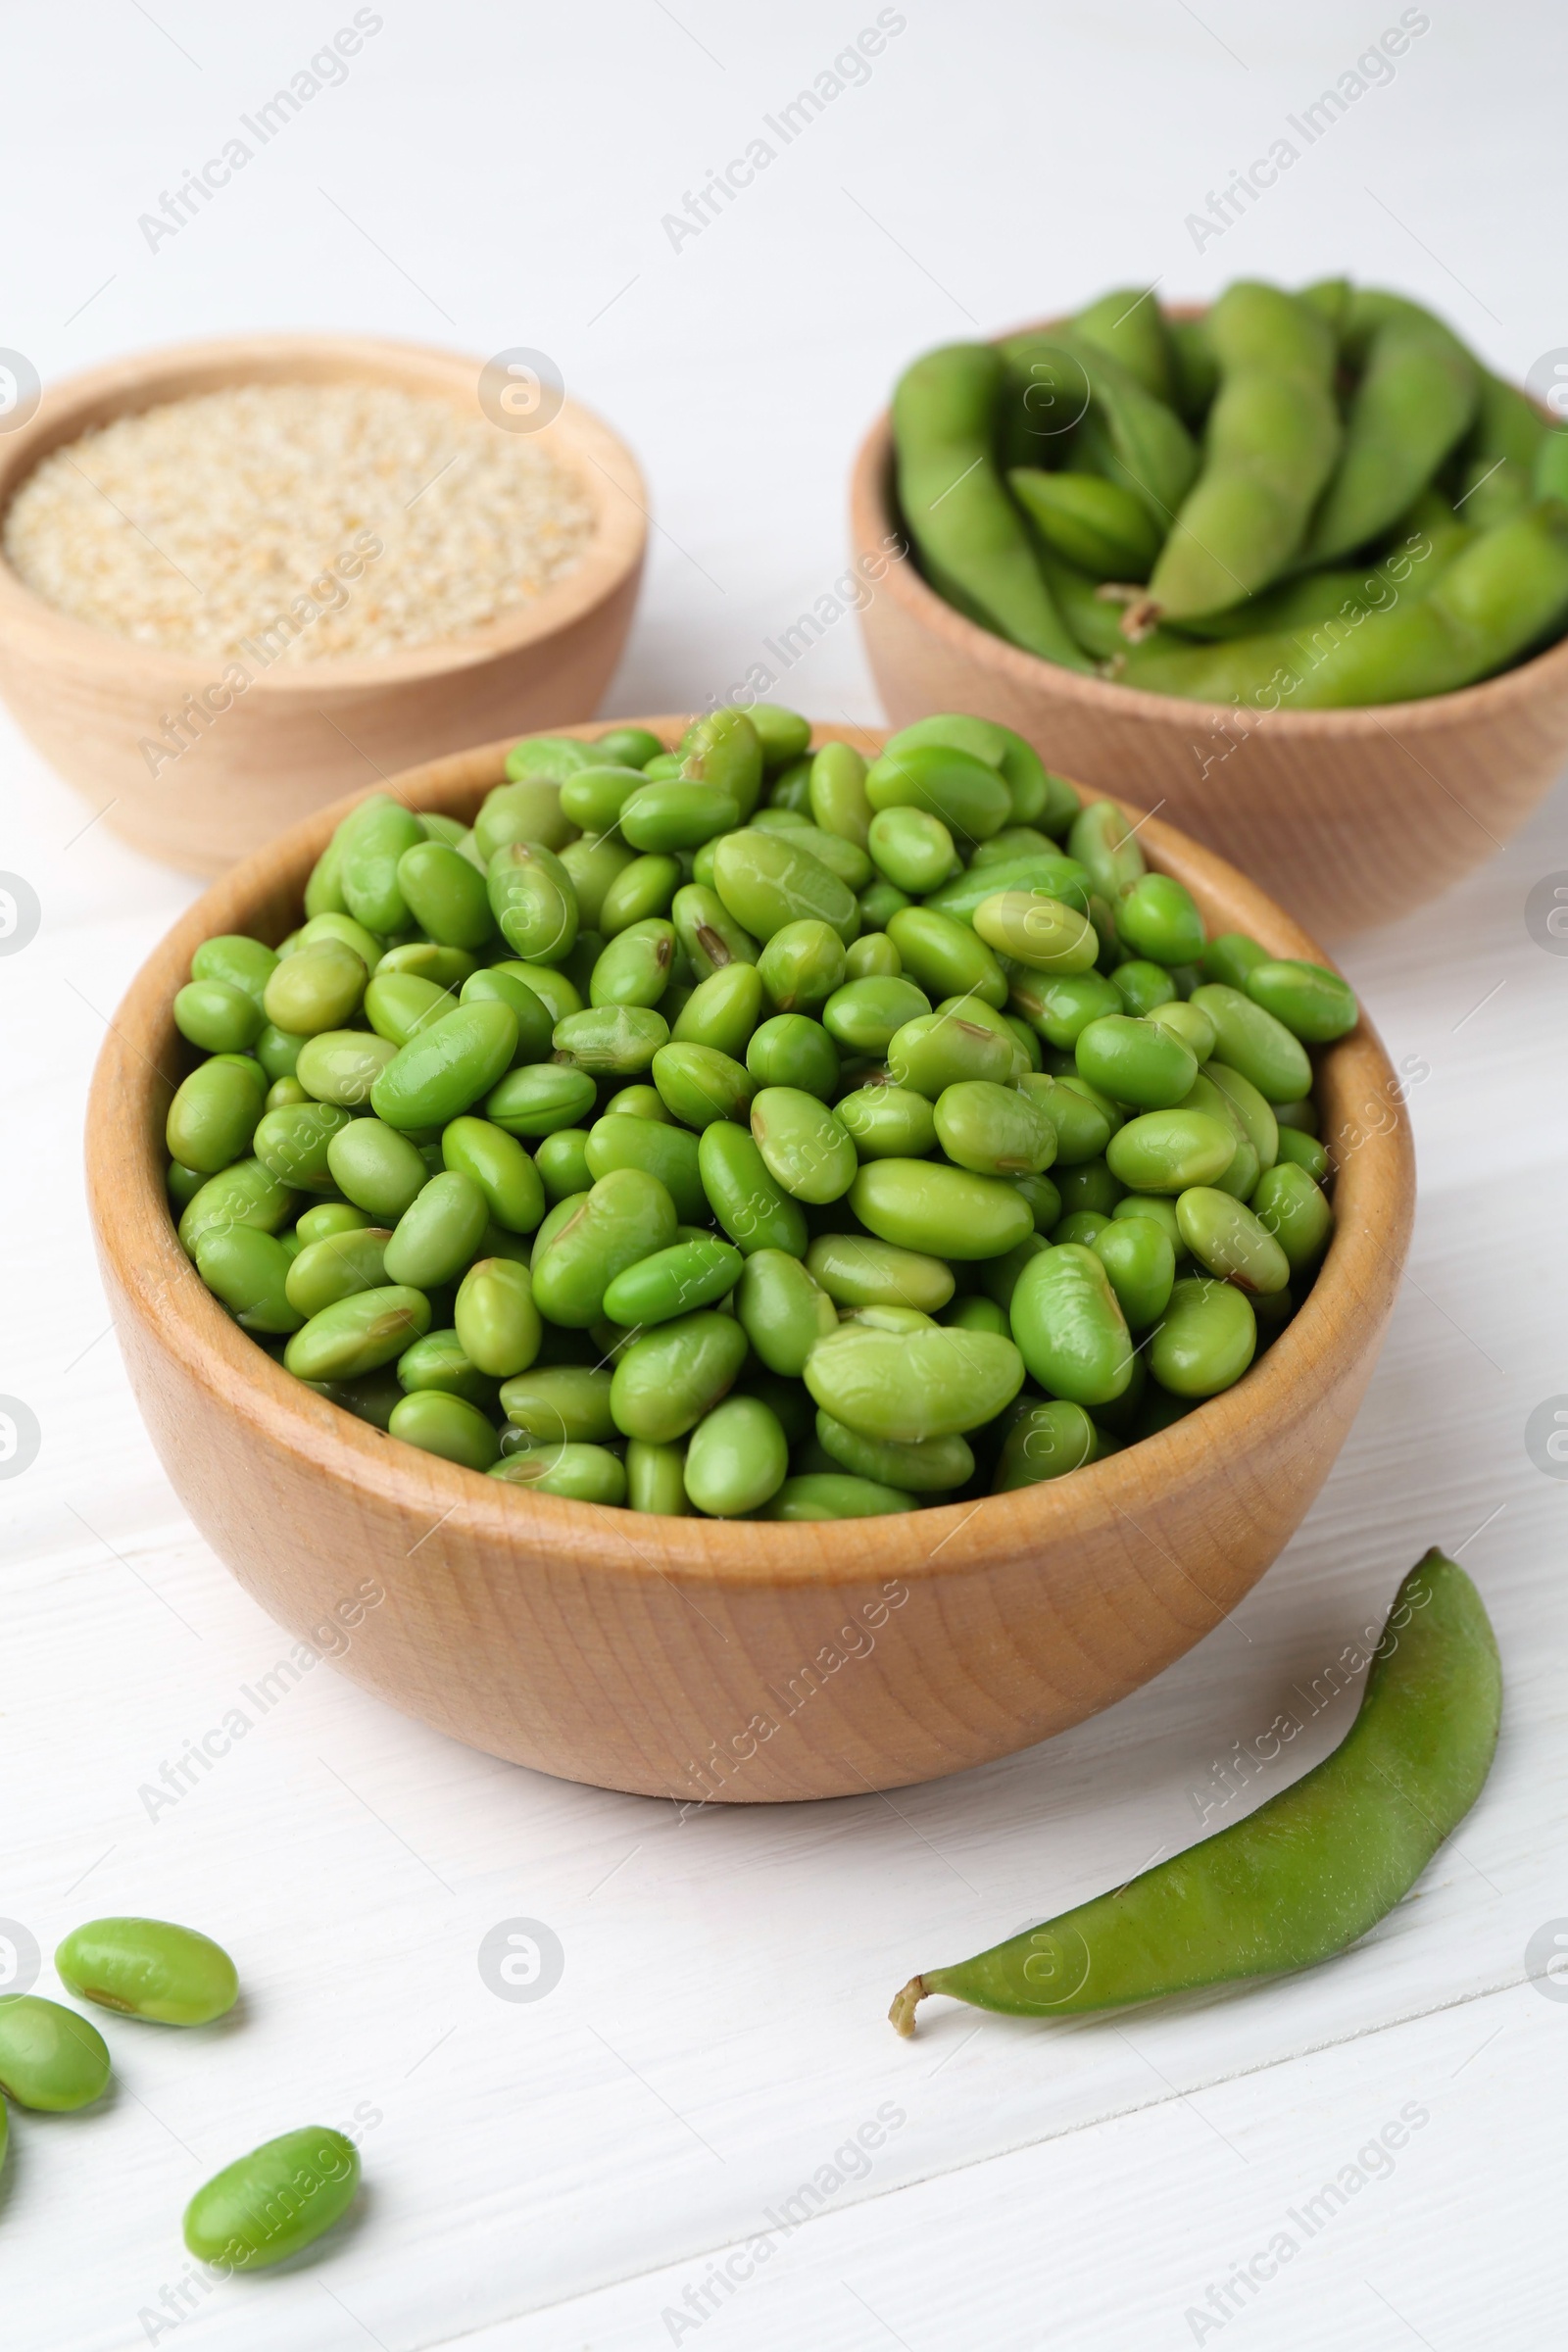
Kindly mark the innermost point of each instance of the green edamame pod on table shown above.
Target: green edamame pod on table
(1056, 381)
(1106, 530)
(1414, 402)
(966, 527)
(1129, 327)
(1308, 1873)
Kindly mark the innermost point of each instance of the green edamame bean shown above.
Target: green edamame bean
(708, 932)
(246, 1192)
(756, 1212)
(615, 1040)
(1159, 1208)
(1043, 933)
(537, 1101)
(1042, 873)
(836, 793)
(640, 891)
(1257, 1122)
(805, 1148)
(1135, 1061)
(878, 906)
(342, 927)
(1083, 1119)
(498, 1164)
(397, 1005)
(1104, 845)
(215, 1114)
(963, 792)
(689, 1274)
(667, 816)
(699, 1084)
(248, 1270)
(341, 1067)
(977, 1313)
(1184, 1020)
(324, 890)
(1290, 1207)
(939, 1049)
(439, 1233)
(792, 1049)
(912, 1385)
(635, 967)
(663, 765)
(1157, 918)
(1142, 985)
(244, 963)
(945, 956)
(1230, 957)
(632, 746)
(548, 987)
(50, 2057)
(637, 1102)
(721, 1010)
(378, 1170)
(370, 842)
(872, 957)
(932, 1466)
(784, 735)
(627, 1215)
(445, 1425)
(655, 1479)
(765, 880)
(558, 1404)
(1061, 1007)
(888, 1122)
(335, 1267)
(801, 965)
(148, 1968)
(1303, 1151)
(319, 987)
(447, 1067)
(856, 1270)
(533, 901)
(864, 1016)
(725, 751)
(1207, 1339)
(666, 1382)
(913, 848)
(446, 894)
(1166, 1151)
(579, 1473)
(782, 1310)
(271, 2203)
(736, 1458)
(497, 1323)
(278, 1052)
(1315, 1005)
(594, 797)
(828, 1494)
(668, 1152)
(994, 1130)
(1069, 1324)
(1139, 1259)
(1080, 1225)
(528, 807)
(940, 1211)
(562, 1164)
(355, 1336)
(1228, 1240)
(437, 1361)
(1047, 1440)
(791, 789)
(314, 1224)
(1042, 1197)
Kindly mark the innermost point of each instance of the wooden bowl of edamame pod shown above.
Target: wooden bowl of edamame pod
(1351, 818)
(698, 1660)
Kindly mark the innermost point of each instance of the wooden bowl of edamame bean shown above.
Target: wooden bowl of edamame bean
(1349, 817)
(698, 1659)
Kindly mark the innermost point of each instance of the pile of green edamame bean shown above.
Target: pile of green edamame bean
(740, 1130)
(265, 2205)
(1300, 501)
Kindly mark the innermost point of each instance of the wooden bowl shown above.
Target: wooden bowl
(690, 1658)
(1348, 817)
(300, 734)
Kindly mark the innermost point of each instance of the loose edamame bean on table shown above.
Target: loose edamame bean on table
(738, 1202)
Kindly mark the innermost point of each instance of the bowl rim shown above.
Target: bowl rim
(151, 1279)
(873, 515)
(75, 404)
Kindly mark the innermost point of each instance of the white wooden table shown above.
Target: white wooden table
(705, 2132)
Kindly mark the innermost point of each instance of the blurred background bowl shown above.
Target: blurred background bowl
(696, 1658)
(303, 733)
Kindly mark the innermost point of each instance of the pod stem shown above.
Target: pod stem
(902, 2013)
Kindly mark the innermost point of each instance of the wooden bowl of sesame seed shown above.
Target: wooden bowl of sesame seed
(240, 578)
